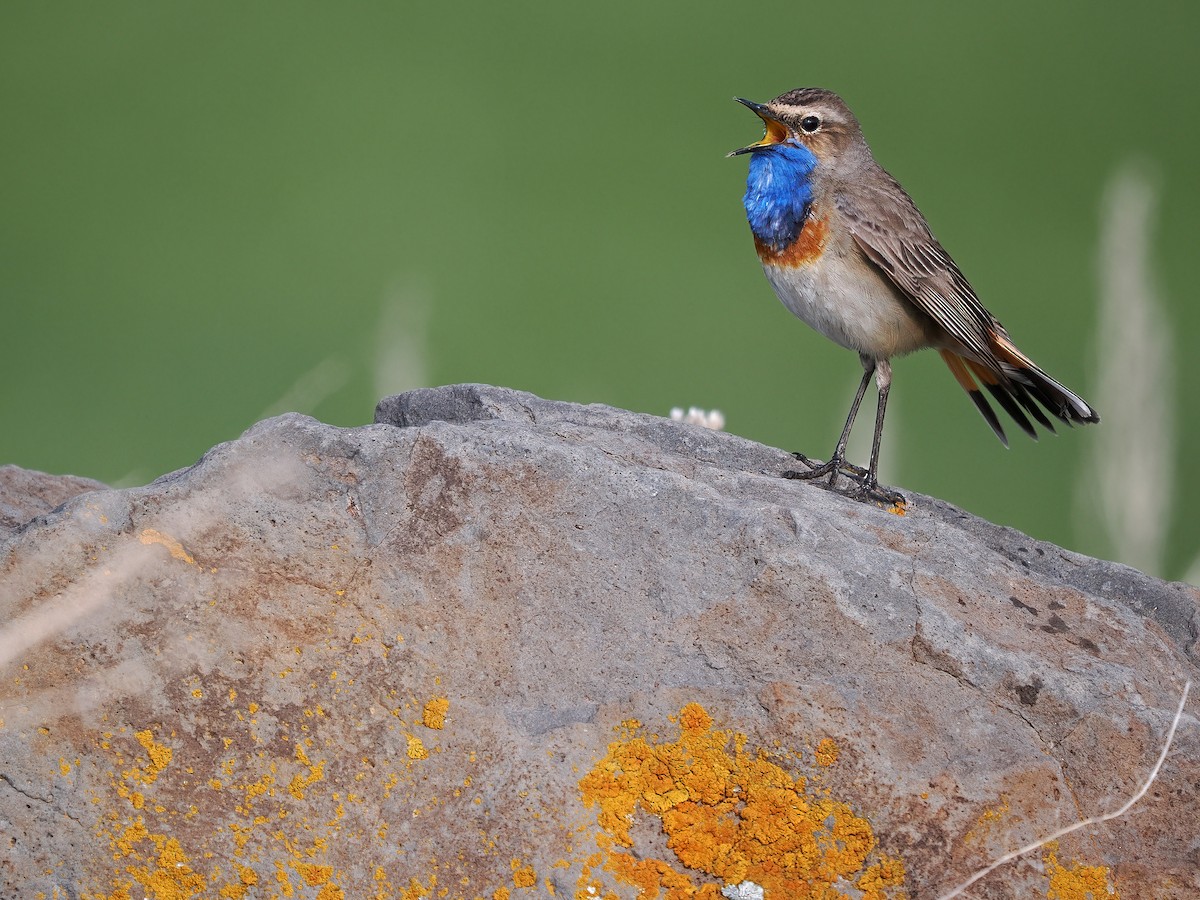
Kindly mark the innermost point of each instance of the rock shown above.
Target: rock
(25, 494)
(497, 646)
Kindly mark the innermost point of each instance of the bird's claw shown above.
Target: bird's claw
(865, 489)
(816, 470)
(872, 491)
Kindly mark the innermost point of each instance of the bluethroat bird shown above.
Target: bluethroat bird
(849, 253)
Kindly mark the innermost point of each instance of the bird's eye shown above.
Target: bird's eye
(810, 124)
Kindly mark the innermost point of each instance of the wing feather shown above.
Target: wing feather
(892, 233)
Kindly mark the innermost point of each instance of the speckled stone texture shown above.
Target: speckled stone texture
(406, 660)
(25, 495)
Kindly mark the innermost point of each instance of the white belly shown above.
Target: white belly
(852, 305)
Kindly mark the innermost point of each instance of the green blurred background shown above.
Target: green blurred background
(216, 211)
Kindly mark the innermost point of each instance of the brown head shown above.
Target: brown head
(814, 117)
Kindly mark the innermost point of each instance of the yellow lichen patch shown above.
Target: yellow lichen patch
(523, 876)
(162, 869)
(284, 815)
(285, 882)
(1076, 882)
(416, 749)
(876, 879)
(988, 821)
(240, 890)
(434, 714)
(153, 536)
(300, 783)
(418, 891)
(827, 752)
(314, 875)
(728, 815)
(159, 755)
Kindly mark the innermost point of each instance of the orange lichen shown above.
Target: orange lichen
(416, 749)
(988, 821)
(158, 754)
(271, 826)
(154, 536)
(1076, 882)
(523, 876)
(827, 752)
(300, 783)
(418, 891)
(284, 881)
(434, 714)
(164, 872)
(240, 890)
(727, 814)
(314, 875)
(284, 817)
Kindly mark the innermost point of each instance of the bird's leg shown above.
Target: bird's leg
(837, 463)
(869, 488)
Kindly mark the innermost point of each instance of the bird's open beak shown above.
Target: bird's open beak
(776, 132)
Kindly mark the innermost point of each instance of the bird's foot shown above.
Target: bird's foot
(865, 488)
(834, 467)
(871, 491)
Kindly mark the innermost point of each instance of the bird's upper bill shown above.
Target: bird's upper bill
(776, 131)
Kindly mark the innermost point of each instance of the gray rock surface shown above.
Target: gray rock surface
(497, 646)
(26, 494)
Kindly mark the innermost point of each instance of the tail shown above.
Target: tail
(1020, 387)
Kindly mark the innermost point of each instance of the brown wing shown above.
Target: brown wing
(888, 228)
(892, 233)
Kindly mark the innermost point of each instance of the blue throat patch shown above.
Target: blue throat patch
(778, 193)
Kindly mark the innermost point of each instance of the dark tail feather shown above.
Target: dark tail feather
(958, 367)
(1025, 374)
(1021, 388)
(1022, 395)
(1004, 396)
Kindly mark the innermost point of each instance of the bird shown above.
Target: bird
(849, 253)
